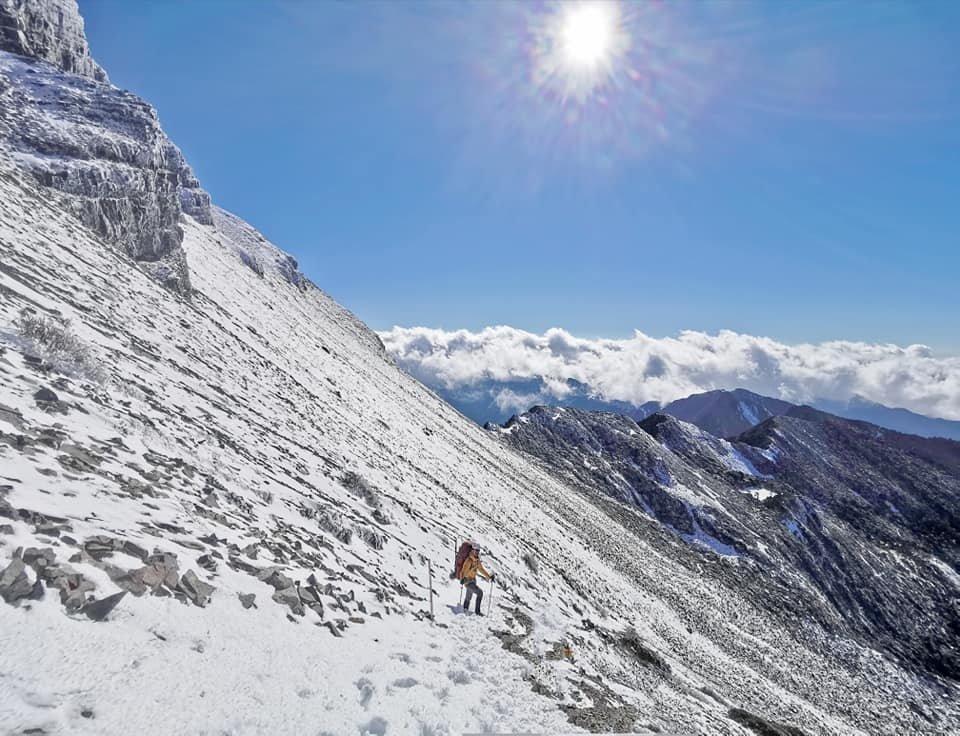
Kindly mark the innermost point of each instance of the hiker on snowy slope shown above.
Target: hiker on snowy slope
(468, 577)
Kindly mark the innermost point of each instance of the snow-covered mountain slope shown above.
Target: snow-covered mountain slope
(255, 436)
(813, 517)
(219, 509)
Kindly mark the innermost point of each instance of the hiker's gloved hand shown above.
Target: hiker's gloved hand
(493, 576)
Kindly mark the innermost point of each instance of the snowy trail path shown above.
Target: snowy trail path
(407, 676)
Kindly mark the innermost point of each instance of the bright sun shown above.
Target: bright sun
(587, 32)
(581, 46)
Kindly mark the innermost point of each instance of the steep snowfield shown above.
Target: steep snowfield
(230, 420)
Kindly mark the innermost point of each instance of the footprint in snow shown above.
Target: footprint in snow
(405, 682)
(376, 727)
(366, 691)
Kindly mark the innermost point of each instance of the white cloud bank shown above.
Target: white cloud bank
(644, 368)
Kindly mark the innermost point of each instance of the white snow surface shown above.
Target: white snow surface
(230, 419)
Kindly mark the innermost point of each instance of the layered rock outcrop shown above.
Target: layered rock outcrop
(51, 30)
(99, 145)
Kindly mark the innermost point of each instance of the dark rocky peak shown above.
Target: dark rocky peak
(726, 413)
(50, 30)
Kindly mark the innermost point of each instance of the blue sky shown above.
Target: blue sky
(789, 169)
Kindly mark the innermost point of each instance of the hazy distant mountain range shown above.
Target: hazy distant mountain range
(721, 412)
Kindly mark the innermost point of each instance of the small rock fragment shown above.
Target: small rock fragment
(98, 610)
(14, 583)
(290, 597)
(195, 589)
(247, 599)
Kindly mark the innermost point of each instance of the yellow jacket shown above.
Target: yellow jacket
(470, 568)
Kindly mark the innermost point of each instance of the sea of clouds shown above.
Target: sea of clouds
(643, 368)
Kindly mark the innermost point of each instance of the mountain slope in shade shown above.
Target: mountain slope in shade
(901, 420)
(814, 517)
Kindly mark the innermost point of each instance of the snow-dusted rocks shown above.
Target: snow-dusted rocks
(99, 146)
(51, 30)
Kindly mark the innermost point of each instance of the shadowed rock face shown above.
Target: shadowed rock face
(817, 517)
(51, 30)
(100, 146)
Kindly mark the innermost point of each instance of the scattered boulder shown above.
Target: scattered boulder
(161, 569)
(72, 585)
(45, 396)
(134, 550)
(290, 597)
(630, 641)
(273, 577)
(100, 546)
(247, 599)
(6, 529)
(332, 628)
(207, 563)
(14, 583)
(311, 596)
(98, 610)
(39, 558)
(195, 589)
(761, 726)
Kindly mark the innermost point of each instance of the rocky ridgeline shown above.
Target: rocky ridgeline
(100, 146)
(815, 518)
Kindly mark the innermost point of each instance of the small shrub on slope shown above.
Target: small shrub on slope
(55, 342)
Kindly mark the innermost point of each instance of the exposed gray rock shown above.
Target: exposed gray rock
(14, 583)
(45, 395)
(290, 597)
(761, 726)
(273, 577)
(39, 558)
(98, 610)
(99, 547)
(248, 599)
(195, 589)
(72, 585)
(6, 529)
(311, 597)
(51, 30)
(332, 628)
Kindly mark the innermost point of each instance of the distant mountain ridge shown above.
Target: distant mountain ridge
(804, 507)
(722, 412)
(902, 420)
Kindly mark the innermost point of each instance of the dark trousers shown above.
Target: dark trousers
(473, 588)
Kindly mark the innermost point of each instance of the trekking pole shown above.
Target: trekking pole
(430, 578)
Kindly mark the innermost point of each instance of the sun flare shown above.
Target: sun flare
(587, 32)
(582, 45)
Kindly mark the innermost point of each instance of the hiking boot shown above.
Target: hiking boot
(478, 613)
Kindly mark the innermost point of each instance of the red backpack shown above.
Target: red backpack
(462, 554)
